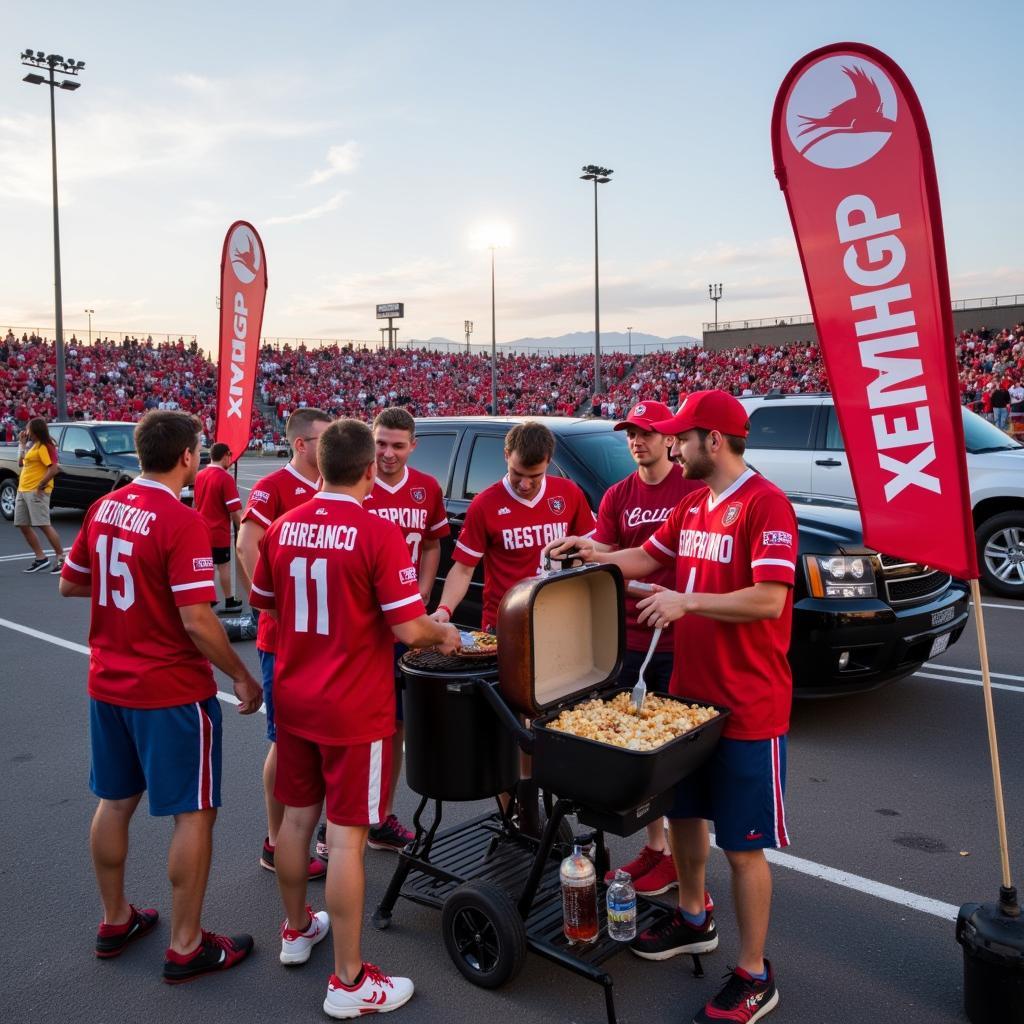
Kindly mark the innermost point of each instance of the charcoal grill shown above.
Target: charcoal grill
(561, 640)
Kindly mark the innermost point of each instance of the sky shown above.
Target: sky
(372, 144)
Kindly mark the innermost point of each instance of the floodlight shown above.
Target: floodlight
(70, 86)
(34, 79)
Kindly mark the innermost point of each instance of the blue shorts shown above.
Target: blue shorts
(400, 649)
(267, 659)
(740, 788)
(174, 753)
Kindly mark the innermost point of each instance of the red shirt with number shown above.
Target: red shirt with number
(746, 535)
(415, 505)
(630, 512)
(510, 533)
(275, 494)
(216, 497)
(339, 579)
(145, 555)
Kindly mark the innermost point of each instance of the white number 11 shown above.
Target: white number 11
(318, 573)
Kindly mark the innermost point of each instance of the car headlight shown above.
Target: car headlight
(843, 576)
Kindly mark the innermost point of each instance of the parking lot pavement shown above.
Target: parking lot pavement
(889, 805)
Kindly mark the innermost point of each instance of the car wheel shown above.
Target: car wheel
(1001, 554)
(483, 933)
(8, 498)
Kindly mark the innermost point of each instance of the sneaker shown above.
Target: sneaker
(375, 993)
(38, 565)
(659, 879)
(215, 953)
(232, 605)
(57, 566)
(321, 849)
(296, 946)
(645, 861)
(112, 938)
(317, 868)
(390, 834)
(672, 934)
(743, 999)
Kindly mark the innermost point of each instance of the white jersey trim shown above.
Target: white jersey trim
(399, 604)
(730, 490)
(522, 501)
(262, 593)
(259, 515)
(661, 547)
(233, 501)
(469, 551)
(142, 481)
(331, 496)
(192, 586)
(773, 561)
(437, 526)
(373, 789)
(77, 568)
(393, 490)
(298, 476)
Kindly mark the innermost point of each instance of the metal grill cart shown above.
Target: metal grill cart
(562, 638)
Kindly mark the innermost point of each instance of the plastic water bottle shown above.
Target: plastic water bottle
(579, 897)
(622, 908)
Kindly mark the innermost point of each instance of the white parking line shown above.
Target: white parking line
(70, 645)
(27, 554)
(967, 682)
(939, 666)
(1008, 607)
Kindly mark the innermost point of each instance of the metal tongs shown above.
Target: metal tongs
(640, 690)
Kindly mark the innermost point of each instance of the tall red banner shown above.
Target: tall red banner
(243, 291)
(854, 159)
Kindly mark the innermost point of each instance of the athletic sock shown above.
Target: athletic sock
(763, 976)
(697, 920)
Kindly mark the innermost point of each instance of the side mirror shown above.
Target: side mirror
(87, 453)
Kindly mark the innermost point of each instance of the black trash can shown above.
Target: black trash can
(993, 945)
(456, 748)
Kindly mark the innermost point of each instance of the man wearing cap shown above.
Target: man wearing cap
(733, 545)
(630, 512)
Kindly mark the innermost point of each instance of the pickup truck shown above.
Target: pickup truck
(850, 632)
(95, 457)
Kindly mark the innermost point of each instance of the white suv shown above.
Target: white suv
(796, 443)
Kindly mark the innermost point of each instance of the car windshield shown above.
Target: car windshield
(116, 440)
(981, 436)
(604, 452)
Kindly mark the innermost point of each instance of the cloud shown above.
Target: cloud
(313, 213)
(340, 160)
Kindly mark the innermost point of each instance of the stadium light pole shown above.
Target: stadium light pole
(599, 176)
(629, 339)
(714, 294)
(468, 327)
(38, 59)
(494, 344)
(90, 312)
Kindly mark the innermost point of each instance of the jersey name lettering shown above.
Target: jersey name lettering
(128, 517)
(319, 535)
(706, 544)
(407, 518)
(521, 537)
(638, 516)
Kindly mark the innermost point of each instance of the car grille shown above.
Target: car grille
(911, 582)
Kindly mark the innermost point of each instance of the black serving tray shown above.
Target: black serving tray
(612, 778)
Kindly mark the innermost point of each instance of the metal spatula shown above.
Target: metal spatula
(640, 690)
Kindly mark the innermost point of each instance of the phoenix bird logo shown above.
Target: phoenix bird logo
(246, 257)
(861, 113)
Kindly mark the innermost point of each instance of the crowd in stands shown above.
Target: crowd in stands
(121, 379)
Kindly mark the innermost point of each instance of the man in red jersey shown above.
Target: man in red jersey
(217, 501)
(734, 548)
(414, 503)
(271, 497)
(630, 512)
(342, 587)
(143, 559)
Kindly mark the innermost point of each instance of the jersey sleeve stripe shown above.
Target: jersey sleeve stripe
(259, 515)
(264, 593)
(76, 567)
(437, 526)
(661, 547)
(233, 501)
(773, 561)
(469, 551)
(592, 532)
(400, 604)
(192, 586)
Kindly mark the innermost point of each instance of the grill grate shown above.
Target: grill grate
(434, 661)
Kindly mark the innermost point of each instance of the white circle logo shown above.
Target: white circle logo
(841, 112)
(640, 410)
(244, 253)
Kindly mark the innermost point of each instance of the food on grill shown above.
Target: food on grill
(476, 643)
(616, 722)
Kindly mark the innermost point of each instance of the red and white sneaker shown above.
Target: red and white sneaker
(640, 865)
(377, 992)
(112, 938)
(296, 946)
(659, 879)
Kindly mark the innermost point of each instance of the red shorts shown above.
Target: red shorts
(354, 779)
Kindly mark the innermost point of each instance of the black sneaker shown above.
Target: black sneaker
(321, 849)
(673, 934)
(317, 867)
(112, 938)
(38, 565)
(215, 953)
(390, 834)
(231, 605)
(57, 566)
(743, 999)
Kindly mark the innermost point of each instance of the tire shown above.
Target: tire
(8, 497)
(1001, 554)
(484, 934)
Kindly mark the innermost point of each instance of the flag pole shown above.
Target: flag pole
(1007, 893)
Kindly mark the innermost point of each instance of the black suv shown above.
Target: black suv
(860, 618)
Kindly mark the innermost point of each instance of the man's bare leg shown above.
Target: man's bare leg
(108, 842)
(691, 845)
(188, 868)
(275, 809)
(30, 536)
(346, 894)
(291, 858)
(752, 895)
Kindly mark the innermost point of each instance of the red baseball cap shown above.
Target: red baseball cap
(708, 410)
(644, 415)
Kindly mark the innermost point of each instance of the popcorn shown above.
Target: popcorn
(615, 721)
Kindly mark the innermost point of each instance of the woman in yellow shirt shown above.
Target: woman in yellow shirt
(37, 456)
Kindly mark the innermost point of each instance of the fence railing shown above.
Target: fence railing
(988, 302)
(106, 335)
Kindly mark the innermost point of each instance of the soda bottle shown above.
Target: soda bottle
(622, 908)
(579, 897)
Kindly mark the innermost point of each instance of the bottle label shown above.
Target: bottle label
(621, 911)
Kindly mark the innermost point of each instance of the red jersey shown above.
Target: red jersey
(630, 512)
(747, 535)
(510, 534)
(216, 497)
(415, 505)
(339, 578)
(275, 494)
(145, 555)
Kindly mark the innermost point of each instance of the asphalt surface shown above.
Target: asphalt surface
(887, 789)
